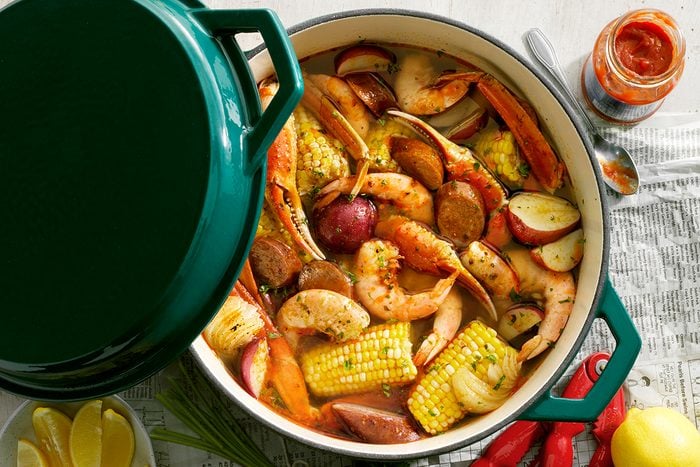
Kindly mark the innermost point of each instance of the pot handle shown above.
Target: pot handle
(628, 345)
(265, 127)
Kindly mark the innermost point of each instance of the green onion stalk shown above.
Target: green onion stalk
(194, 402)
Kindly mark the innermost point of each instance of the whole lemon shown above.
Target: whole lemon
(657, 436)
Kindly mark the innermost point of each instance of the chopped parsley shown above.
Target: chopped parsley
(386, 390)
(497, 386)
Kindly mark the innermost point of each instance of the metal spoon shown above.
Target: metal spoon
(616, 164)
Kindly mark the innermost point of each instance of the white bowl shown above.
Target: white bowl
(19, 425)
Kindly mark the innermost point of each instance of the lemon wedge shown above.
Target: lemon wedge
(52, 428)
(117, 440)
(86, 435)
(28, 455)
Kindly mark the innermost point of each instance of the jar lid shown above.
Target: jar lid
(126, 205)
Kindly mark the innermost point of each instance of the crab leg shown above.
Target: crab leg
(328, 114)
(546, 167)
(281, 187)
(284, 372)
(459, 161)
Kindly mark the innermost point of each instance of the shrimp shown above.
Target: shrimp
(281, 191)
(420, 90)
(318, 310)
(555, 290)
(425, 252)
(403, 193)
(377, 287)
(445, 325)
(350, 105)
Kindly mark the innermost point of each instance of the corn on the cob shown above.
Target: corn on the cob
(435, 403)
(380, 356)
(234, 326)
(321, 158)
(499, 151)
(378, 137)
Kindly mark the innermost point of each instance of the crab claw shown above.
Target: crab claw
(281, 187)
(281, 191)
(545, 165)
(333, 119)
(459, 161)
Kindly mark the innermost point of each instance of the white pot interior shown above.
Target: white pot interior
(557, 125)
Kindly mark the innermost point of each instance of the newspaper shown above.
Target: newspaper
(654, 266)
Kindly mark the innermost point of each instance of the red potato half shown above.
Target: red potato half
(343, 225)
(363, 58)
(468, 127)
(254, 364)
(562, 255)
(517, 320)
(540, 218)
(454, 114)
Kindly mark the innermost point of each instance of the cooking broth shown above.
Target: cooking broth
(474, 122)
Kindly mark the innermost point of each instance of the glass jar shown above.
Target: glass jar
(637, 60)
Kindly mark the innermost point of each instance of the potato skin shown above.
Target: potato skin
(344, 225)
(459, 212)
(325, 275)
(274, 263)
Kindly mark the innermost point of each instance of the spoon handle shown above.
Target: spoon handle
(543, 51)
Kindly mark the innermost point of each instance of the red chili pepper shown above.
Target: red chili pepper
(605, 426)
(511, 445)
(557, 451)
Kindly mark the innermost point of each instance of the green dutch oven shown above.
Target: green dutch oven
(132, 172)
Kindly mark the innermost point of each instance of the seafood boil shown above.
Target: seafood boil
(416, 254)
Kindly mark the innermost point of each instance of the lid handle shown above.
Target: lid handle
(291, 85)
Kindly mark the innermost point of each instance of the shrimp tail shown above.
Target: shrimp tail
(445, 325)
(533, 347)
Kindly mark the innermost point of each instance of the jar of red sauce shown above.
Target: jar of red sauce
(636, 61)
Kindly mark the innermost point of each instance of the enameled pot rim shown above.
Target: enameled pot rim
(580, 129)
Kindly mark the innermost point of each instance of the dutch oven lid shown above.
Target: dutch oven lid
(127, 191)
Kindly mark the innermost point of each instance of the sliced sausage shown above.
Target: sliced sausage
(373, 91)
(376, 425)
(459, 212)
(274, 263)
(419, 160)
(325, 275)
